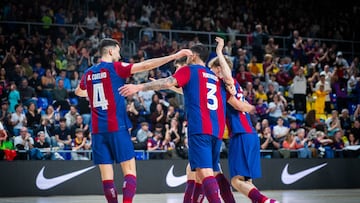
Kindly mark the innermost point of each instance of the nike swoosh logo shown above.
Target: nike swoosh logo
(46, 183)
(288, 179)
(174, 181)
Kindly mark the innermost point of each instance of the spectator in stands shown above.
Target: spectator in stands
(267, 142)
(356, 129)
(23, 141)
(18, 119)
(324, 145)
(254, 67)
(146, 99)
(258, 38)
(339, 144)
(62, 76)
(13, 97)
(172, 133)
(155, 143)
(84, 60)
(79, 124)
(48, 129)
(159, 115)
(71, 115)
(303, 144)
(48, 84)
(35, 83)
(27, 93)
(297, 47)
(61, 96)
(63, 135)
(9, 61)
(142, 135)
(26, 67)
(5, 115)
(276, 107)
(271, 47)
(71, 58)
(33, 116)
(300, 86)
(320, 100)
(171, 114)
(327, 88)
(39, 68)
(77, 144)
(243, 76)
(74, 82)
(43, 145)
(91, 21)
(345, 121)
(280, 131)
(333, 123)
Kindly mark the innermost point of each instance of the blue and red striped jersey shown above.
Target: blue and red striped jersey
(108, 108)
(238, 122)
(205, 103)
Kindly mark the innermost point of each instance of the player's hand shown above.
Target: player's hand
(129, 89)
(182, 53)
(220, 44)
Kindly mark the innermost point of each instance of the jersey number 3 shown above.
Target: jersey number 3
(212, 99)
(99, 99)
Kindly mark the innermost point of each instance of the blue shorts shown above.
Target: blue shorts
(244, 155)
(112, 147)
(204, 152)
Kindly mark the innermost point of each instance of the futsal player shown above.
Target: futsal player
(109, 127)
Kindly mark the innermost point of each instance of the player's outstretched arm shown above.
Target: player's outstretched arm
(156, 62)
(164, 83)
(81, 93)
(241, 105)
(178, 90)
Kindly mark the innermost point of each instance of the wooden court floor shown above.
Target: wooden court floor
(287, 196)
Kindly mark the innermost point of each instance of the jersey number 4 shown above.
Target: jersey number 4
(211, 96)
(99, 99)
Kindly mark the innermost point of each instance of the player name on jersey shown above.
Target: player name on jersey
(96, 76)
(208, 75)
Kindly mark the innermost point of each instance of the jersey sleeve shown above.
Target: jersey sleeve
(82, 83)
(182, 76)
(123, 69)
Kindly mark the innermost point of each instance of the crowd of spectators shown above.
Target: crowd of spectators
(307, 101)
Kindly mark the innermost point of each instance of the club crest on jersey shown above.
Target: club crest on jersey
(96, 76)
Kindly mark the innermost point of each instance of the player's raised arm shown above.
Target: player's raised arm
(156, 62)
(225, 69)
(164, 83)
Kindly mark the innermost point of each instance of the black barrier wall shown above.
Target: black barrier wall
(45, 178)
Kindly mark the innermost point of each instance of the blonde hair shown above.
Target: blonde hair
(216, 62)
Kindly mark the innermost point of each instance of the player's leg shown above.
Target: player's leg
(225, 187)
(107, 177)
(129, 186)
(123, 152)
(201, 159)
(244, 164)
(102, 157)
(190, 184)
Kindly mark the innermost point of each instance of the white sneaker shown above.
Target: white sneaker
(271, 201)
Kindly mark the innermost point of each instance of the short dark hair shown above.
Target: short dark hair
(201, 50)
(106, 42)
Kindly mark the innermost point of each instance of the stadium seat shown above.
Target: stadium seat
(74, 101)
(42, 102)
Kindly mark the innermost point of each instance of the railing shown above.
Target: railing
(349, 48)
(133, 35)
(145, 154)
